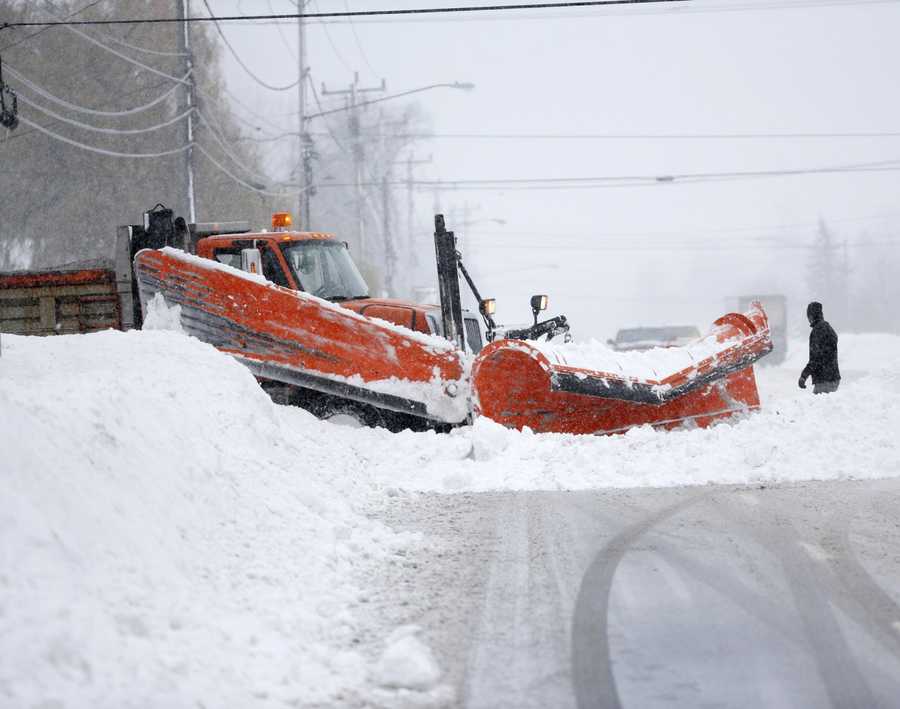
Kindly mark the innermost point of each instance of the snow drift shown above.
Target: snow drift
(169, 536)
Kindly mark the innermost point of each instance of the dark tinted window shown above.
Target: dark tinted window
(230, 257)
(272, 269)
(473, 335)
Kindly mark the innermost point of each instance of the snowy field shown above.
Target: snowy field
(172, 538)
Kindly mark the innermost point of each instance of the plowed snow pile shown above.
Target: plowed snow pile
(169, 537)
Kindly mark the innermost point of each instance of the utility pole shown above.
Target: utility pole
(183, 8)
(353, 93)
(304, 220)
(390, 253)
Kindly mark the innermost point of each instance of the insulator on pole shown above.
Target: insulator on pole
(9, 104)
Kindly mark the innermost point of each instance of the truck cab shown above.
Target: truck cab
(319, 264)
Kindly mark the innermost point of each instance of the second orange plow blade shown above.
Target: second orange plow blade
(580, 389)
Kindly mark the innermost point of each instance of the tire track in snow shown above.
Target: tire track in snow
(838, 669)
(728, 586)
(496, 660)
(860, 596)
(592, 673)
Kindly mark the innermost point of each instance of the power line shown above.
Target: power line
(173, 151)
(275, 20)
(112, 38)
(794, 226)
(244, 183)
(668, 178)
(358, 43)
(44, 29)
(638, 136)
(396, 15)
(343, 148)
(98, 129)
(131, 60)
(28, 131)
(136, 48)
(223, 144)
(688, 247)
(369, 102)
(91, 111)
(244, 106)
(101, 151)
(603, 181)
(348, 14)
(284, 40)
(336, 51)
(625, 12)
(240, 61)
(616, 136)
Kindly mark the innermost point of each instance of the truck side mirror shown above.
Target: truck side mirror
(538, 303)
(251, 261)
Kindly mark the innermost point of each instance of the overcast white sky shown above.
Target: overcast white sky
(628, 255)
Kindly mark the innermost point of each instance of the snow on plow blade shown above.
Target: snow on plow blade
(581, 389)
(295, 338)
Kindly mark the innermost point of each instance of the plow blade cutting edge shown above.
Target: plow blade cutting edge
(295, 338)
(572, 389)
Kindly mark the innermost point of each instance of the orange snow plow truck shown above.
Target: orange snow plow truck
(294, 309)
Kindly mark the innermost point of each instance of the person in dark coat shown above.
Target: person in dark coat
(823, 353)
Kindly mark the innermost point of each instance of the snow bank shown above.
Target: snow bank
(169, 537)
(797, 436)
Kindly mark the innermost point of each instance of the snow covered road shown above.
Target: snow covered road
(785, 596)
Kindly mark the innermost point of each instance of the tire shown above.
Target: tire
(350, 414)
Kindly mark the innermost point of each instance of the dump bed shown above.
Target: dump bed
(74, 298)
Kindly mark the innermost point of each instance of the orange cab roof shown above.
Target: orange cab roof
(276, 235)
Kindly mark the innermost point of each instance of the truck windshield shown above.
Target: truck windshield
(325, 269)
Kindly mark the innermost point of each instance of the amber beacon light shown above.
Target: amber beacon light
(281, 221)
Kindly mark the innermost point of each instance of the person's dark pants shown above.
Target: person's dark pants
(826, 387)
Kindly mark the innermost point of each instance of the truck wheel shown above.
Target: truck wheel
(350, 414)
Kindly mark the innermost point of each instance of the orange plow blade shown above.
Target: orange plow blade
(583, 389)
(295, 338)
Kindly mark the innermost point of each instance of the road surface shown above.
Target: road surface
(784, 596)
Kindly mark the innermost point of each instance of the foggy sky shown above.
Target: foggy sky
(641, 255)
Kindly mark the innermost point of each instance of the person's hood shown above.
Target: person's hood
(814, 313)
